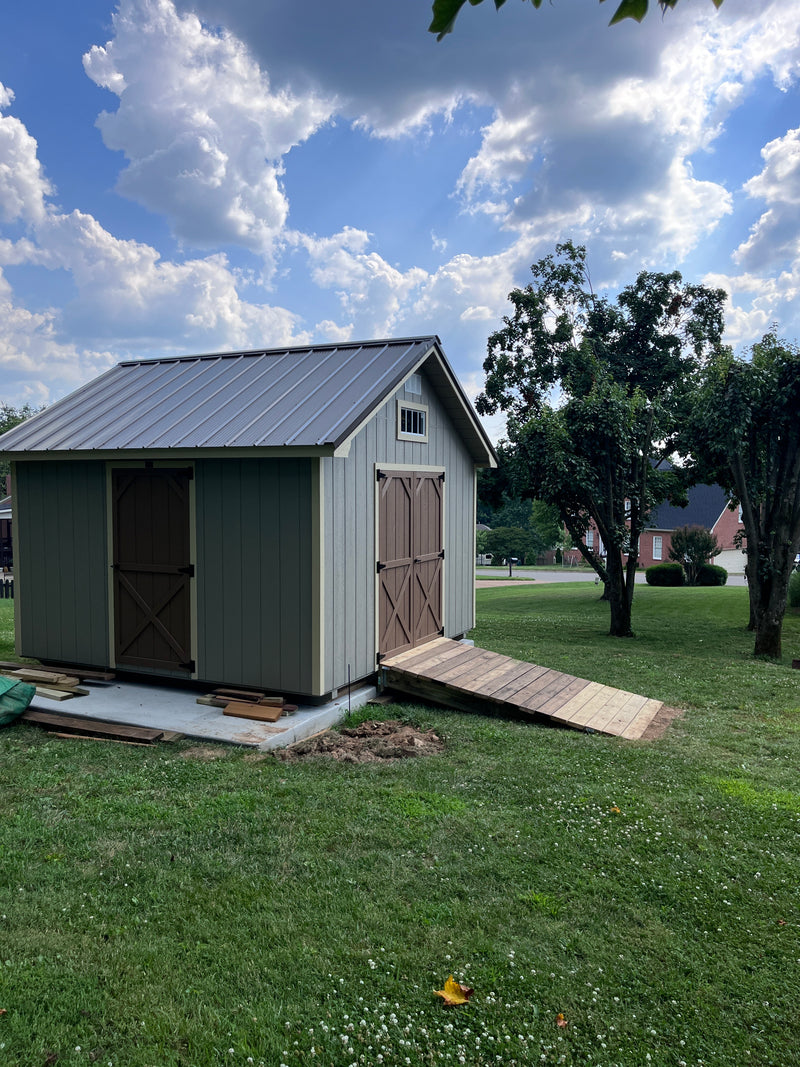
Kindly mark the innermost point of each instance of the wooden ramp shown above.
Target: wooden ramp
(472, 679)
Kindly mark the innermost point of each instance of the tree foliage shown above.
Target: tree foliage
(745, 433)
(445, 12)
(509, 543)
(692, 547)
(618, 373)
(9, 418)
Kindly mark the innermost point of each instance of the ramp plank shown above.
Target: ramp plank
(475, 679)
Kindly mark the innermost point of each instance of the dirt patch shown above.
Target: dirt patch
(369, 742)
(658, 727)
(205, 752)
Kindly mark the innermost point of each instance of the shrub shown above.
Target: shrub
(794, 590)
(664, 574)
(694, 547)
(711, 574)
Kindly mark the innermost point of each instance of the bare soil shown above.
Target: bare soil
(369, 742)
(662, 721)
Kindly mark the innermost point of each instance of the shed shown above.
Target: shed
(278, 519)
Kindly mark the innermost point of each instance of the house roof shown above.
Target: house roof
(706, 504)
(316, 397)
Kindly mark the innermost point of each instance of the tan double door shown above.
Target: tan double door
(410, 558)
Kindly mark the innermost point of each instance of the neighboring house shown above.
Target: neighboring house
(278, 519)
(707, 507)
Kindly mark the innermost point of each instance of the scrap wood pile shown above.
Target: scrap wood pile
(248, 704)
(53, 684)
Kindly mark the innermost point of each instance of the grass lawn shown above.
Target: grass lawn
(160, 908)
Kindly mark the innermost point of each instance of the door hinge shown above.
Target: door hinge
(188, 569)
(189, 665)
(441, 554)
(380, 474)
(441, 476)
(380, 567)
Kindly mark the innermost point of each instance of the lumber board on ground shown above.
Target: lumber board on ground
(37, 677)
(261, 712)
(90, 727)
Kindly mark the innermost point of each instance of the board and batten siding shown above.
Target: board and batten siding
(254, 573)
(61, 561)
(348, 487)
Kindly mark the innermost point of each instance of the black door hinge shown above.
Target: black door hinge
(188, 570)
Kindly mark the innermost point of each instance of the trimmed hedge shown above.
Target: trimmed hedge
(664, 574)
(711, 574)
(794, 590)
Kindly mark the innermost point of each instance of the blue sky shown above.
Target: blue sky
(204, 175)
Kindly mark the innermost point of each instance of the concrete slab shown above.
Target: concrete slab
(173, 708)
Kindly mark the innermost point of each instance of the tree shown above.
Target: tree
(745, 432)
(545, 526)
(508, 543)
(446, 11)
(693, 547)
(9, 418)
(618, 373)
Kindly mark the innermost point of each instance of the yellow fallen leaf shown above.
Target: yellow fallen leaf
(454, 993)
(561, 1021)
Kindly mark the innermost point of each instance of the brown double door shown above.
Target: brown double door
(410, 558)
(152, 568)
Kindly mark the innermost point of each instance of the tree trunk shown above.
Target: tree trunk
(768, 594)
(618, 597)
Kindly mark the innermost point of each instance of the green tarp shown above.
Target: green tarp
(15, 696)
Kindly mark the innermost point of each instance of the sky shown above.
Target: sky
(187, 176)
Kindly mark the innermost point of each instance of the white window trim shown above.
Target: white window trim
(659, 554)
(403, 435)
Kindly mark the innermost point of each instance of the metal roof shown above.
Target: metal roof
(312, 397)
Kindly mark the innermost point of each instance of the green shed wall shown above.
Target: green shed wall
(61, 561)
(349, 532)
(254, 572)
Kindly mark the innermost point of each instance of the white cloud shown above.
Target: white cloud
(204, 132)
(611, 159)
(775, 236)
(756, 302)
(127, 297)
(368, 287)
(23, 187)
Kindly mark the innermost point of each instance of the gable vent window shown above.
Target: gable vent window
(412, 422)
(414, 384)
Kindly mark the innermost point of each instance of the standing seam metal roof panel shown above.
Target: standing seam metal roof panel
(309, 397)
